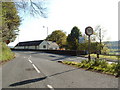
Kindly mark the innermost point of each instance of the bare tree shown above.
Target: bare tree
(100, 34)
(33, 7)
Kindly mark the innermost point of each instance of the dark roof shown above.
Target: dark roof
(30, 43)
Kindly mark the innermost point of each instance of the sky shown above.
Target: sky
(65, 14)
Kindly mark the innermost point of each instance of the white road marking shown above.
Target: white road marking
(29, 57)
(24, 57)
(36, 68)
(49, 86)
(30, 61)
(110, 62)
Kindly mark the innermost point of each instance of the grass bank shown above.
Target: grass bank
(5, 53)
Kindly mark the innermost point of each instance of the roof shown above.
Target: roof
(30, 43)
(52, 44)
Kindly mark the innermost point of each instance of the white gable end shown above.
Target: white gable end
(48, 45)
(43, 45)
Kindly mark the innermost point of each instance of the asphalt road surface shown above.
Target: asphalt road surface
(41, 70)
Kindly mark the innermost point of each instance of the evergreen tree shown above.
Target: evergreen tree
(73, 38)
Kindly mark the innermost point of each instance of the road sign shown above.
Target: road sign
(89, 31)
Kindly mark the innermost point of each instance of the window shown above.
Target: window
(44, 46)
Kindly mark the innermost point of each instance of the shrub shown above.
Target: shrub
(97, 68)
(84, 61)
(103, 63)
(80, 65)
(98, 65)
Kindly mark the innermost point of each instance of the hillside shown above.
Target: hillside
(114, 46)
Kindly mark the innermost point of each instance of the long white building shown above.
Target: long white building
(38, 44)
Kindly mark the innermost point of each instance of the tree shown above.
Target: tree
(105, 50)
(10, 21)
(94, 46)
(100, 34)
(73, 37)
(32, 7)
(59, 37)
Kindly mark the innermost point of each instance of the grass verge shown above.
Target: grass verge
(98, 65)
(5, 53)
(105, 57)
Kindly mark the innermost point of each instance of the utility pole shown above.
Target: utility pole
(100, 40)
(18, 41)
(47, 36)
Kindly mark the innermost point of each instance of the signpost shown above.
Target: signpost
(89, 32)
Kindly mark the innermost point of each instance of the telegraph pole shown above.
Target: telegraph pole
(100, 40)
(47, 35)
(18, 41)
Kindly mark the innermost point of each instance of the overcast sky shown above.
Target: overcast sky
(65, 14)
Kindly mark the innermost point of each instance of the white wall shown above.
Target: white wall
(42, 44)
(48, 46)
(19, 47)
(26, 47)
(31, 47)
(53, 46)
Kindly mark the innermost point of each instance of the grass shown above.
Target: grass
(105, 57)
(5, 53)
(98, 65)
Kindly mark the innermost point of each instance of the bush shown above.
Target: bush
(98, 65)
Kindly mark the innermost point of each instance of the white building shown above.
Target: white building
(39, 44)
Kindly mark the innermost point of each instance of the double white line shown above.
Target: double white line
(49, 86)
(33, 65)
(38, 71)
(30, 61)
(36, 68)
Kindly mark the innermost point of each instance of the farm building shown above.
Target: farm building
(38, 44)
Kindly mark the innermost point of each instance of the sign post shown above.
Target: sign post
(89, 32)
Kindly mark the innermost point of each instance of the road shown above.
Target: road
(41, 70)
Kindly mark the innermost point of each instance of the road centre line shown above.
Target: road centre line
(33, 65)
(30, 61)
(49, 86)
(36, 68)
(29, 57)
